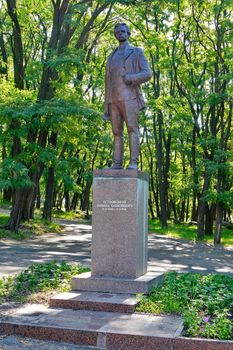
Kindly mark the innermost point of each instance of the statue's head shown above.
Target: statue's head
(121, 32)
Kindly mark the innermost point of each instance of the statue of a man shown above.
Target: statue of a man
(127, 68)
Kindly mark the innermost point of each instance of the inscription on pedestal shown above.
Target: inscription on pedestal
(114, 205)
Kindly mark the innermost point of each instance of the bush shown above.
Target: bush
(38, 278)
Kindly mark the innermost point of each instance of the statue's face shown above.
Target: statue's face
(121, 33)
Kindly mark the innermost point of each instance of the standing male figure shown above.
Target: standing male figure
(127, 68)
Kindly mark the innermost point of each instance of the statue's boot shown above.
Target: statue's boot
(134, 147)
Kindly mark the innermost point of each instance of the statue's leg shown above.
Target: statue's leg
(118, 134)
(131, 119)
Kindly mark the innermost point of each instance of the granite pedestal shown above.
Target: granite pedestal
(119, 234)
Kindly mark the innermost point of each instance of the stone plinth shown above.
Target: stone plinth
(142, 284)
(119, 235)
(119, 223)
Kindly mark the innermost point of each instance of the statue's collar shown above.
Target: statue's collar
(127, 50)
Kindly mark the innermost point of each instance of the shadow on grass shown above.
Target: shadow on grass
(188, 232)
(28, 228)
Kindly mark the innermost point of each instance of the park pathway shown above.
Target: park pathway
(74, 245)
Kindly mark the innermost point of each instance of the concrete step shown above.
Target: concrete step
(107, 284)
(105, 330)
(124, 303)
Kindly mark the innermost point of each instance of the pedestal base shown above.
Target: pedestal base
(142, 284)
(119, 224)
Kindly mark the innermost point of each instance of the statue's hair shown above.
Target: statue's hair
(122, 24)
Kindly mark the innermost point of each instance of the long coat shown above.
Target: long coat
(136, 68)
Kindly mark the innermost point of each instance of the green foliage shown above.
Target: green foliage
(69, 59)
(38, 278)
(205, 303)
(53, 111)
(14, 174)
(225, 198)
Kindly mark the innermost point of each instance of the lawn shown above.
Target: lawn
(70, 215)
(186, 231)
(28, 229)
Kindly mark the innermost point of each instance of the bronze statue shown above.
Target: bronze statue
(127, 68)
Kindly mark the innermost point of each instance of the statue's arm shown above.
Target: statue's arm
(144, 73)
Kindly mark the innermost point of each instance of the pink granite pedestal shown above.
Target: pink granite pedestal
(119, 234)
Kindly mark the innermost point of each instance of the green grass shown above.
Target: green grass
(38, 226)
(69, 215)
(37, 279)
(186, 231)
(28, 228)
(204, 302)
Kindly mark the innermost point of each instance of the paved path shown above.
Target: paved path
(74, 245)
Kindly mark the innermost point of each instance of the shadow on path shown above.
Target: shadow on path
(170, 254)
(74, 245)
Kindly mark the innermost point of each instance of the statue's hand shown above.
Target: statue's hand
(106, 117)
(127, 79)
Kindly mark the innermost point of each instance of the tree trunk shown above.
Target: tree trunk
(194, 207)
(195, 176)
(16, 211)
(156, 198)
(219, 206)
(74, 201)
(18, 62)
(7, 193)
(209, 220)
(173, 204)
(187, 210)
(17, 45)
(59, 200)
(219, 217)
(38, 197)
(86, 198)
(161, 182)
(151, 208)
(67, 200)
(3, 68)
(182, 210)
(47, 211)
(202, 209)
(167, 143)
